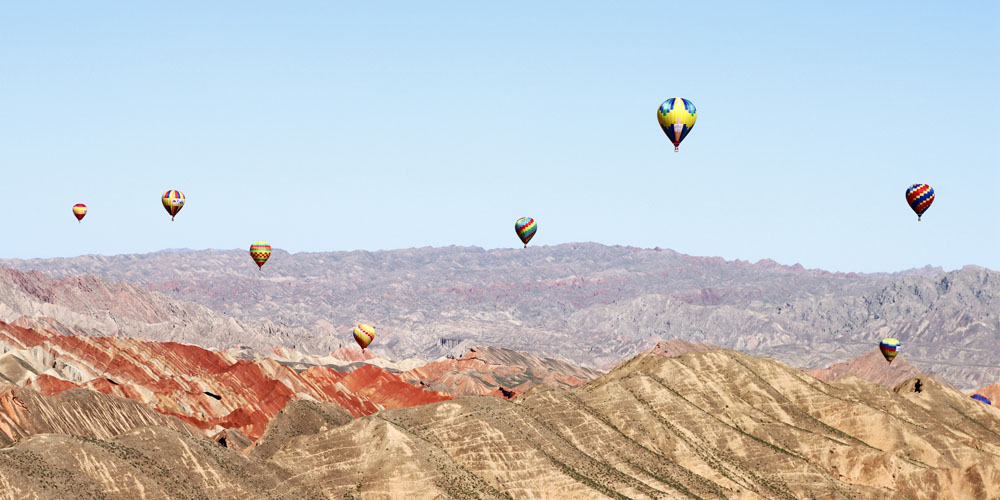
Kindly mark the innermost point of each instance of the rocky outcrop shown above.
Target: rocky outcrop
(870, 366)
(676, 347)
(499, 372)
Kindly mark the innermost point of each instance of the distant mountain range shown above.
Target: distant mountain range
(590, 304)
(710, 424)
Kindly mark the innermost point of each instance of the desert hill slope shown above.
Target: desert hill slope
(25, 412)
(590, 304)
(208, 389)
(707, 424)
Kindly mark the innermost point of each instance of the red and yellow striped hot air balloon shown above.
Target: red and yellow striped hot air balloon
(363, 335)
(79, 210)
(259, 252)
(173, 202)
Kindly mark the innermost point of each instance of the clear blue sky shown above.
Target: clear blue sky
(324, 126)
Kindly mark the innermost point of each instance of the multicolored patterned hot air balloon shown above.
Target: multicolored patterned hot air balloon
(259, 252)
(676, 116)
(363, 335)
(79, 210)
(920, 197)
(173, 201)
(526, 228)
(889, 347)
(981, 398)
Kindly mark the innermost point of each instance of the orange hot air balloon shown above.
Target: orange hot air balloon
(364, 334)
(79, 210)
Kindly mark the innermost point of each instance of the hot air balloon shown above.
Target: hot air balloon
(173, 201)
(525, 228)
(889, 347)
(920, 197)
(79, 210)
(676, 116)
(364, 334)
(980, 397)
(259, 252)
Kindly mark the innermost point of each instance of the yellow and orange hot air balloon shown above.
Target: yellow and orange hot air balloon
(79, 210)
(364, 334)
(676, 116)
(173, 202)
(259, 252)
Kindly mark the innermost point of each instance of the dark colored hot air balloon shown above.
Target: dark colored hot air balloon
(79, 210)
(525, 228)
(920, 197)
(173, 202)
(676, 116)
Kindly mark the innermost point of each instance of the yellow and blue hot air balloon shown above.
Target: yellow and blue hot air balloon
(676, 116)
(919, 197)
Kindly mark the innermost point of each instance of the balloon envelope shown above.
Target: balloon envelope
(259, 252)
(889, 347)
(919, 197)
(363, 335)
(173, 202)
(79, 210)
(525, 228)
(676, 116)
(980, 397)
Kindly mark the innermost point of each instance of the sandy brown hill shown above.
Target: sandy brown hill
(708, 424)
(83, 413)
(298, 418)
(143, 464)
(713, 424)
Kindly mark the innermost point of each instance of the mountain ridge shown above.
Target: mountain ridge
(589, 304)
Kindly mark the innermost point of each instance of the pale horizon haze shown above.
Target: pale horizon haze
(327, 126)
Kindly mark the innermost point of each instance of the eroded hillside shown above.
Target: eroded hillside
(590, 304)
(707, 424)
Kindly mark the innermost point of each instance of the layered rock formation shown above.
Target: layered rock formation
(710, 424)
(77, 412)
(210, 390)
